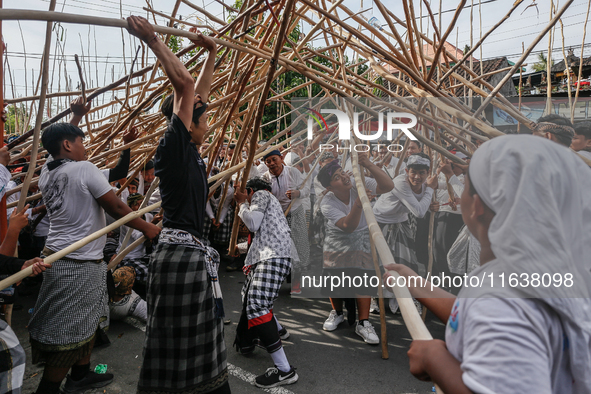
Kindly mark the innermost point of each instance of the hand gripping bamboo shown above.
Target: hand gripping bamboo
(412, 319)
(77, 245)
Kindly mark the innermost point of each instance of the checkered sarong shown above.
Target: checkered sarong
(184, 349)
(12, 361)
(400, 238)
(140, 266)
(299, 233)
(222, 235)
(71, 302)
(262, 284)
(206, 228)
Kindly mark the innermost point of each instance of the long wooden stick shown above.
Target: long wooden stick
(523, 57)
(39, 117)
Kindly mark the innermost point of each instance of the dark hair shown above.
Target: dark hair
(168, 105)
(149, 165)
(556, 119)
(257, 183)
(418, 144)
(135, 182)
(232, 146)
(54, 135)
(584, 129)
(560, 121)
(419, 167)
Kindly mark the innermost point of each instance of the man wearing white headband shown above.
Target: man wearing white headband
(411, 196)
(526, 201)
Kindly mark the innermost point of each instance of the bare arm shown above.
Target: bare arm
(17, 222)
(179, 76)
(117, 209)
(431, 361)
(79, 109)
(383, 180)
(438, 301)
(350, 222)
(203, 83)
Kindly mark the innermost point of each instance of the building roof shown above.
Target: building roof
(573, 61)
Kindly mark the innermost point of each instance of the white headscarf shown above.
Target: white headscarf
(291, 158)
(540, 192)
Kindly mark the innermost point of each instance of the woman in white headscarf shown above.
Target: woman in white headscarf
(527, 202)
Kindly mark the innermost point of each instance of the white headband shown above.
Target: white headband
(418, 160)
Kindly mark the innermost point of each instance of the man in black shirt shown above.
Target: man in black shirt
(184, 349)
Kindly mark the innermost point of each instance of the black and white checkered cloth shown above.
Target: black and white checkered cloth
(12, 361)
(206, 228)
(71, 302)
(263, 283)
(140, 266)
(184, 349)
(400, 238)
(222, 235)
(299, 233)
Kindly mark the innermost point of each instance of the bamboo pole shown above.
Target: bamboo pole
(77, 245)
(580, 73)
(39, 117)
(518, 63)
(413, 321)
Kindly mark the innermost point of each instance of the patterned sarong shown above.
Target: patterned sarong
(347, 255)
(263, 283)
(347, 250)
(401, 239)
(139, 265)
(184, 349)
(71, 303)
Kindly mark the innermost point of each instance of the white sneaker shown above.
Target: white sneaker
(393, 305)
(333, 321)
(374, 307)
(367, 332)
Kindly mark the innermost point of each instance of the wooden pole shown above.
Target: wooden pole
(39, 117)
(3, 218)
(77, 245)
(523, 57)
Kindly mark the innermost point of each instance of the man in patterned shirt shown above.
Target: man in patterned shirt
(267, 264)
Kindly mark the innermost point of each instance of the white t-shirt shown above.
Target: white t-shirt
(585, 154)
(14, 197)
(140, 250)
(290, 179)
(334, 209)
(70, 192)
(508, 345)
(4, 180)
(442, 194)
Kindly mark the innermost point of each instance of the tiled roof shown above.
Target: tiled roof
(574, 61)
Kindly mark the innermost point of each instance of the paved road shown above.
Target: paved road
(326, 362)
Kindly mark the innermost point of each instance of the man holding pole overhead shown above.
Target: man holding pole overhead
(184, 350)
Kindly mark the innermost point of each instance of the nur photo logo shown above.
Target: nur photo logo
(344, 128)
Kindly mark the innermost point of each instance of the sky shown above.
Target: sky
(106, 56)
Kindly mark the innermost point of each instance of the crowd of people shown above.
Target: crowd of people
(520, 205)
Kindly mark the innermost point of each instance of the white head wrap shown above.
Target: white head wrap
(417, 160)
(539, 191)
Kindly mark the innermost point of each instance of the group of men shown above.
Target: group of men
(293, 202)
